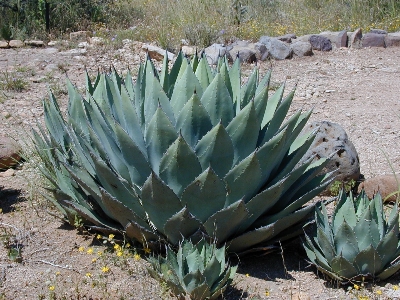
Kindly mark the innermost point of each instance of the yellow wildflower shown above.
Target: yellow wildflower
(90, 251)
(111, 236)
(88, 275)
(136, 257)
(120, 253)
(81, 249)
(247, 275)
(94, 260)
(379, 292)
(127, 245)
(363, 298)
(357, 287)
(105, 269)
(117, 247)
(99, 253)
(58, 273)
(98, 236)
(52, 288)
(1, 210)
(147, 250)
(395, 287)
(267, 293)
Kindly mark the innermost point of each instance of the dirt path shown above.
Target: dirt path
(359, 89)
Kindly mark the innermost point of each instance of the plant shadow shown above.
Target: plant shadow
(8, 199)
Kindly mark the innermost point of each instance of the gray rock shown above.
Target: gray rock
(9, 152)
(332, 36)
(96, 41)
(303, 38)
(157, 53)
(15, 44)
(373, 40)
(189, 50)
(320, 43)
(4, 45)
(341, 40)
(276, 48)
(355, 39)
(243, 50)
(80, 36)
(378, 31)
(392, 39)
(74, 52)
(287, 38)
(52, 43)
(301, 48)
(215, 51)
(34, 43)
(331, 138)
(261, 51)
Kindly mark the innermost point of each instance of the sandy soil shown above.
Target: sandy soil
(359, 89)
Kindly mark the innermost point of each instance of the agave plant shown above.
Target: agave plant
(184, 153)
(359, 242)
(199, 271)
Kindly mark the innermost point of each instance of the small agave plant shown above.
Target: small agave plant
(182, 153)
(359, 243)
(199, 271)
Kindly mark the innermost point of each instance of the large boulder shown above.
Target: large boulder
(392, 39)
(355, 39)
(16, 44)
(215, 51)
(34, 43)
(330, 139)
(386, 185)
(9, 153)
(373, 40)
(4, 44)
(301, 49)
(320, 43)
(244, 51)
(342, 39)
(157, 53)
(276, 48)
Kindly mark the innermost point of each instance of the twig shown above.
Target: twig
(54, 265)
(9, 225)
(283, 260)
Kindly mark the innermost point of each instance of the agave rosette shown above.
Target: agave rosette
(359, 243)
(183, 153)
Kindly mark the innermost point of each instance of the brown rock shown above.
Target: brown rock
(80, 36)
(4, 44)
(34, 43)
(373, 40)
(386, 185)
(300, 296)
(157, 53)
(287, 38)
(8, 173)
(16, 44)
(342, 39)
(9, 152)
(355, 39)
(189, 50)
(392, 39)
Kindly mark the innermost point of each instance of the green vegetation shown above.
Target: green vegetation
(359, 243)
(169, 21)
(199, 271)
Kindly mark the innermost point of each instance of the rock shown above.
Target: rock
(261, 51)
(7, 173)
(355, 39)
(215, 51)
(384, 184)
(189, 50)
(332, 36)
(341, 40)
(320, 43)
(157, 53)
(15, 44)
(242, 49)
(331, 138)
(276, 48)
(96, 41)
(392, 39)
(378, 31)
(4, 44)
(301, 49)
(83, 45)
(50, 50)
(300, 296)
(287, 38)
(373, 40)
(52, 43)
(80, 36)
(303, 38)
(34, 43)
(9, 152)
(74, 52)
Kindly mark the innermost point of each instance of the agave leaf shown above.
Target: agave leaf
(249, 89)
(203, 74)
(243, 181)
(193, 261)
(192, 281)
(222, 282)
(215, 150)
(388, 246)
(377, 214)
(363, 230)
(181, 225)
(346, 242)
(225, 222)
(164, 76)
(243, 130)
(218, 102)
(344, 211)
(159, 201)
(184, 88)
(368, 261)
(213, 270)
(134, 231)
(224, 71)
(389, 271)
(264, 83)
(113, 97)
(130, 89)
(205, 195)
(316, 254)
(260, 104)
(160, 135)
(235, 76)
(322, 221)
(324, 242)
(393, 219)
(341, 266)
(179, 166)
(193, 122)
(76, 109)
(272, 105)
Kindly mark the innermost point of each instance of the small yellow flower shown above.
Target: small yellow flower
(379, 292)
(105, 269)
(81, 249)
(1, 210)
(247, 275)
(357, 287)
(136, 257)
(98, 236)
(52, 287)
(90, 251)
(147, 250)
(94, 260)
(363, 298)
(120, 253)
(127, 245)
(58, 273)
(395, 287)
(99, 253)
(267, 293)
(111, 236)
(117, 247)
(88, 275)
